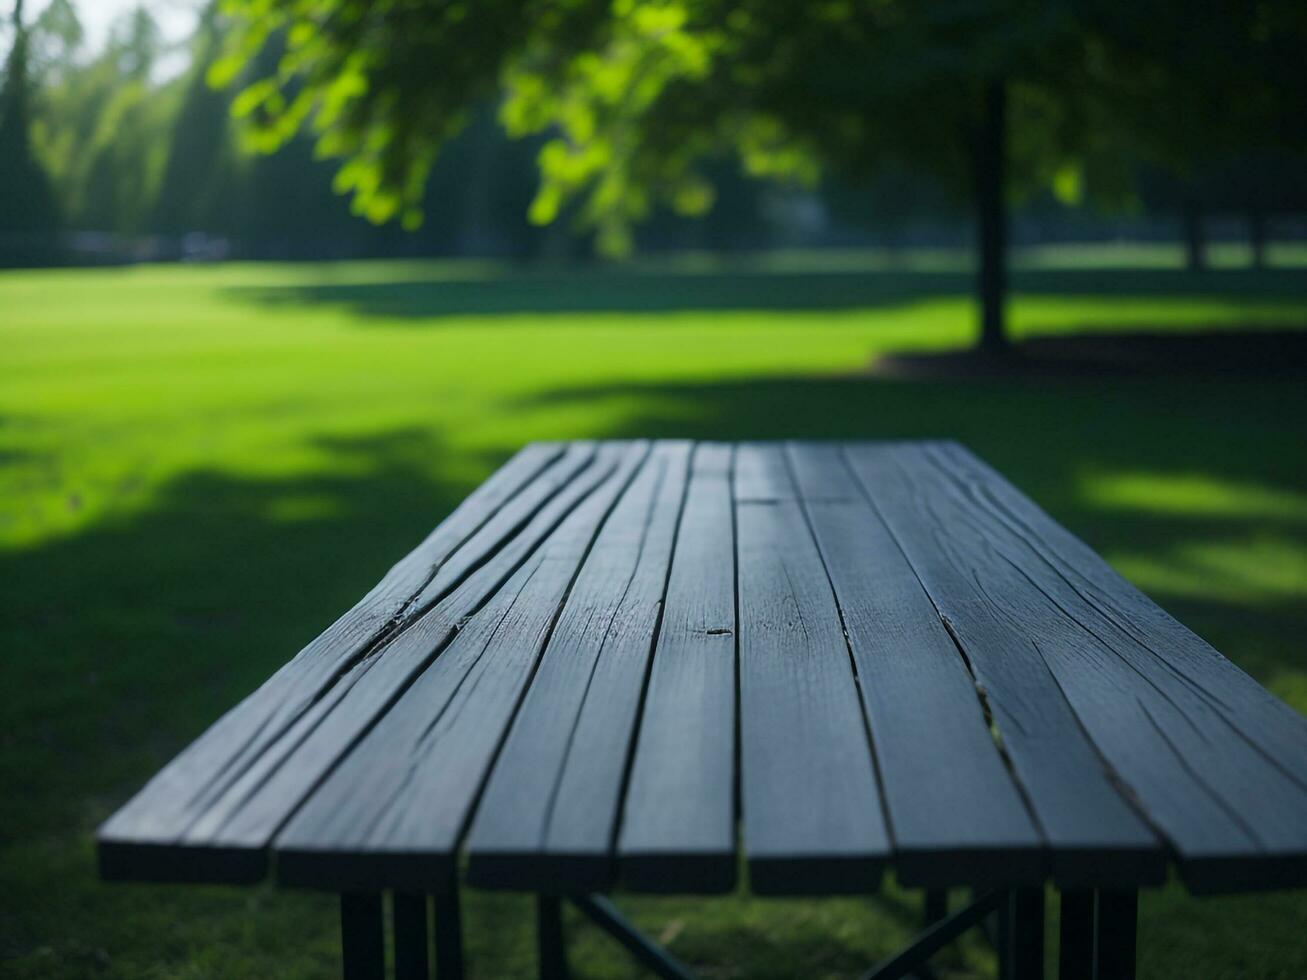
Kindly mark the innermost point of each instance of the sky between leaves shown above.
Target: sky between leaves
(176, 19)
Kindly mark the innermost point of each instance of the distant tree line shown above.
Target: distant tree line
(27, 199)
(96, 144)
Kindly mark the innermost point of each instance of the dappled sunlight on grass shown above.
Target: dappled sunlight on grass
(1193, 494)
(1253, 569)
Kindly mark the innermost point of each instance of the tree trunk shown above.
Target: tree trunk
(991, 213)
(1257, 237)
(1195, 247)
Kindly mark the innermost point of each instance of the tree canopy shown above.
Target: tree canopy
(635, 96)
(640, 111)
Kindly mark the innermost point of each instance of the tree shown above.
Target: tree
(642, 94)
(27, 204)
(1258, 184)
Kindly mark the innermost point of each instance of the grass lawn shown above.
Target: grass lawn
(200, 467)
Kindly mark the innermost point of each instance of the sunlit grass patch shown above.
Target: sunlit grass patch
(1194, 495)
(1250, 569)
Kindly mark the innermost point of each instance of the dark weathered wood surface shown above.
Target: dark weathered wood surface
(812, 813)
(1143, 703)
(549, 812)
(678, 824)
(969, 818)
(612, 655)
(1001, 629)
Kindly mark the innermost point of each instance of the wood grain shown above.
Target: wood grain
(1007, 634)
(956, 815)
(678, 822)
(1168, 722)
(812, 813)
(549, 813)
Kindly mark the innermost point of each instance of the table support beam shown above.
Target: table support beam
(930, 942)
(1115, 919)
(362, 940)
(605, 915)
(988, 926)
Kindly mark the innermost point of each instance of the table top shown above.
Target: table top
(628, 663)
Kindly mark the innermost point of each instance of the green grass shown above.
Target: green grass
(199, 467)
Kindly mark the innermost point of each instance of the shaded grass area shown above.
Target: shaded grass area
(200, 467)
(421, 299)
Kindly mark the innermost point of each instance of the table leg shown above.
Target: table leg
(1003, 932)
(1025, 959)
(410, 924)
(449, 933)
(549, 936)
(934, 906)
(1115, 920)
(362, 944)
(1075, 958)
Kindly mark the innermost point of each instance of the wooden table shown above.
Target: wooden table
(625, 664)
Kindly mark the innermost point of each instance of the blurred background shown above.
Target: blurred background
(121, 143)
(282, 280)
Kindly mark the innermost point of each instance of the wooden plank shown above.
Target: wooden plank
(1184, 748)
(761, 476)
(391, 813)
(1262, 718)
(1006, 633)
(956, 815)
(812, 813)
(678, 818)
(549, 813)
(819, 472)
(210, 813)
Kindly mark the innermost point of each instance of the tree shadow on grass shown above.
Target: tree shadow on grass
(12, 429)
(1104, 351)
(625, 290)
